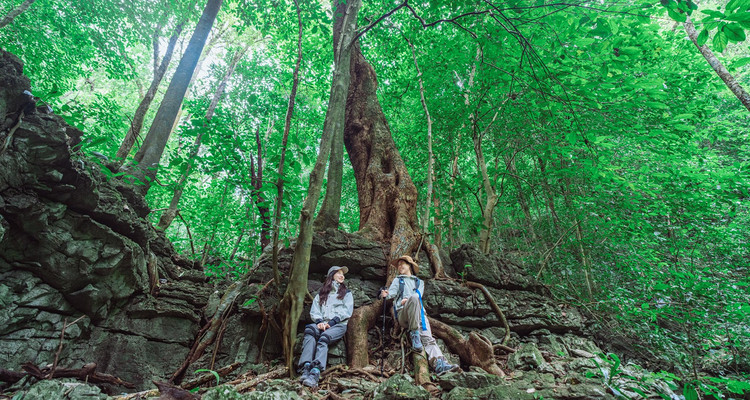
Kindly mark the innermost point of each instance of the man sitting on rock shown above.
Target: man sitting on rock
(408, 290)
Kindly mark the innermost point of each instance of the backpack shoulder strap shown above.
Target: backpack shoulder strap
(400, 287)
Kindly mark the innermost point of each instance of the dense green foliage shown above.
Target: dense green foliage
(620, 159)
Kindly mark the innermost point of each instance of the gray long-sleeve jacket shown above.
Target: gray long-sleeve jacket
(334, 310)
(410, 282)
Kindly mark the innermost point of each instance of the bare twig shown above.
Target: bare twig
(60, 347)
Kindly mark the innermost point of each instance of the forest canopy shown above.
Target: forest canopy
(597, 143)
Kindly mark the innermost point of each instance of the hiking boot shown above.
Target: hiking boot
(442, 366)
(304, 371)
(416, 342)
(312, 378)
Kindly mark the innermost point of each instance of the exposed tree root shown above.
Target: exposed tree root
(87, 374)
(359, 324)
(343, 370)
(280, 372)
(476, 350)
(209, 377)
(503, 347)
(210, 331)
(10, 376)
(421, 367)
(434, 254)
(495, 307)
(138, 395)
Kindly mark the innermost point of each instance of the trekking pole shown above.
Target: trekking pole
(382, 350)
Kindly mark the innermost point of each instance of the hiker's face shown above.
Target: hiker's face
(404, 268)
(338, 276)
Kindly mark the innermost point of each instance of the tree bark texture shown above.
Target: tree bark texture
(430, 155)
(523, 201)
(148, 156)
(140, 113)
(169, 214)
(15, 12)
(256, 178)
(329, 215)
(717, 66)
(284, 139)
(387, 196)
(491, 197)
(475, 350)
(292, 303)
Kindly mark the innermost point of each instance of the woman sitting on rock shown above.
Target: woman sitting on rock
(331, 309)
(408, 290)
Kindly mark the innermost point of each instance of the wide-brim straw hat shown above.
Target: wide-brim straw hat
(408, 259)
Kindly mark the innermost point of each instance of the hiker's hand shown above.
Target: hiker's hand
(323, 326)
(403, 301)
(383, 293)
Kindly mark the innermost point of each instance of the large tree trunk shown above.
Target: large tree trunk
(140, 113)
(292, 303)
(718, 67)
(148, 156)
(280, 179)
(387, 196)
(168, 215)
(256, 179)
(15, 12)
(330, 211)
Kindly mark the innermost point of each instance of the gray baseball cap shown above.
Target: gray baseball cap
(335, 268)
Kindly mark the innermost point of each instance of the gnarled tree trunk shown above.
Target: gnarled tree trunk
(387, 195)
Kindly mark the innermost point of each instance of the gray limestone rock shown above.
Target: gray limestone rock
(470, 380)
(526, 358)
(400, 387)
(62, 389)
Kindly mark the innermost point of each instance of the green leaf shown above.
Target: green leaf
(571, 137)
(741, 62)
(702, 38)
(720, 41)
(734, 32)
(739, 17)
(713, 13)
(676, 15)
(733, 5)
(214, 373)
(630, 50)
(657, 105)
(738, 387)
(689, 392)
